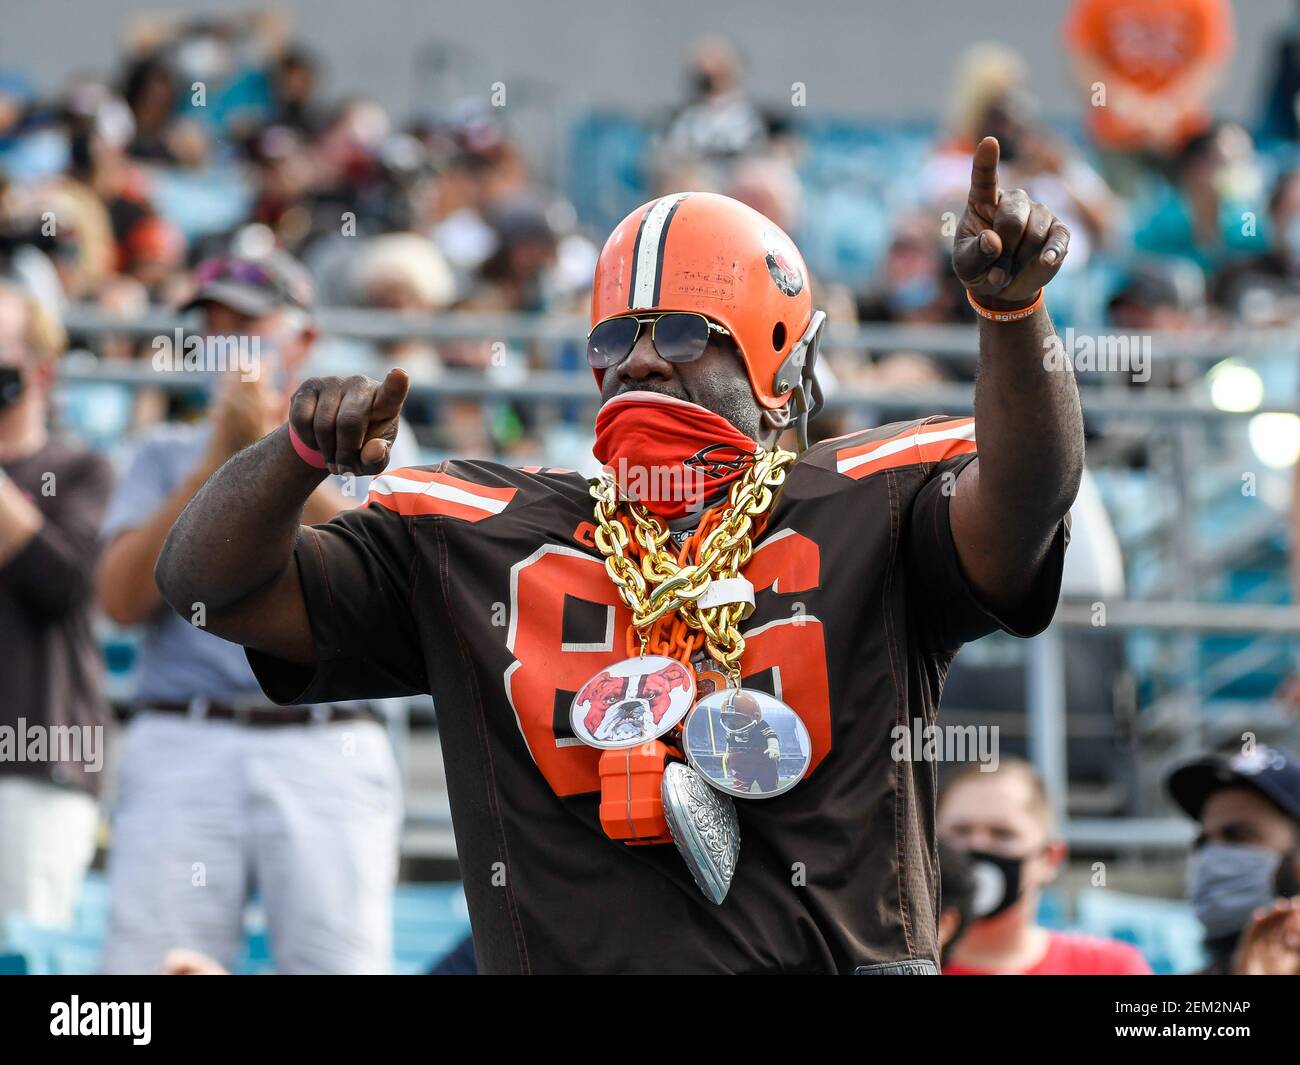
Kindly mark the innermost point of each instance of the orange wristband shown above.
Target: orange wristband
(1017, 315)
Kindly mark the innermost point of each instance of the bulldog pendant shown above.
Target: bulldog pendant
(704, 827)
(632, 702)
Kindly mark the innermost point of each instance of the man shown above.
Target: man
(53, 713)
(219, 791)
(1002, 820)
(879, 555)
(1241, 876)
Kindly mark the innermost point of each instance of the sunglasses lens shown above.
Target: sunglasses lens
(611, 342)
(681, 337)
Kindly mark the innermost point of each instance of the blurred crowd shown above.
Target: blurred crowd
(215, 138)
(214, 174)
(219, 136)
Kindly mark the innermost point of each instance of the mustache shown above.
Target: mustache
(672, 393)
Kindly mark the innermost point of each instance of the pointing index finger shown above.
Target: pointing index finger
(390, 395)
(984, 173)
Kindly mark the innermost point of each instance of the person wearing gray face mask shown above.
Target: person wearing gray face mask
(1227, 883)
(1248, 807)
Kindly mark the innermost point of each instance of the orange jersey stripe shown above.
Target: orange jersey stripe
(928, 442)
(413, 492)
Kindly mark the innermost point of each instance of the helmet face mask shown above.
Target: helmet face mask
(738, 718)
(797, 376)
(736, 724)
(713, 256)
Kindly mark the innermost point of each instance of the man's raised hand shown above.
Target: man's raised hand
(1007, 247)
(351, 421)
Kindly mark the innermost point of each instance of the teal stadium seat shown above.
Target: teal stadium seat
(1164, 930)
(91, 914)
(428, 921)
(52, 951)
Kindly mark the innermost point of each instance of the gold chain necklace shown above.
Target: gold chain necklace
(651, 792)
(661, 585)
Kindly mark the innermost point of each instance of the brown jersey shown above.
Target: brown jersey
(481, 584)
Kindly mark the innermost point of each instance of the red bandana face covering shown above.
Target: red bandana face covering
(668, 454)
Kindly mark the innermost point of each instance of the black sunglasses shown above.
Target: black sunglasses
(678, 336)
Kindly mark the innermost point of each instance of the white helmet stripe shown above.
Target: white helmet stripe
(648, 255)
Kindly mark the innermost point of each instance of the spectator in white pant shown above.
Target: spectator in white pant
(53, 713)
(220, 792)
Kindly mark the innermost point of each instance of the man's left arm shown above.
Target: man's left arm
(1007, 505)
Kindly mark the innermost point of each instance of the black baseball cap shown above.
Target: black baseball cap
(1274, 774)
(253, 286)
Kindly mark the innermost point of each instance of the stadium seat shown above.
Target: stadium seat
(1165, 931)
(52, 951)
(13, 965)
(1052, 910)
(428, 921)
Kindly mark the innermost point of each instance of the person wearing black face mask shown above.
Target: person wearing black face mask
(1000, 819)
(1244, 859)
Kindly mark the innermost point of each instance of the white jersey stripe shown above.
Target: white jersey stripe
(893, 447)
(387, 484)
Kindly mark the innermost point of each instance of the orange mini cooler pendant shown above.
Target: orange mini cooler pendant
(631, 793)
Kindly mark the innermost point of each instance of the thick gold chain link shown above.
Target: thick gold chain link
(660, 584)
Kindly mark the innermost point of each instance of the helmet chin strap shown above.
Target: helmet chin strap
(796, 377)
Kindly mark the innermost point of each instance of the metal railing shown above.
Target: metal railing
(943, 342)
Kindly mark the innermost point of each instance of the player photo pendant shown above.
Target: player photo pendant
(747, 743)
(704, 828)
(632, 702)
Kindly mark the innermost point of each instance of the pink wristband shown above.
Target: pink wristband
(308, 455)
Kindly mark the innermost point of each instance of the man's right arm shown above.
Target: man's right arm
(229, 556)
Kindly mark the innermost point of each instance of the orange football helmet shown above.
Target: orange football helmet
(710, 254)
